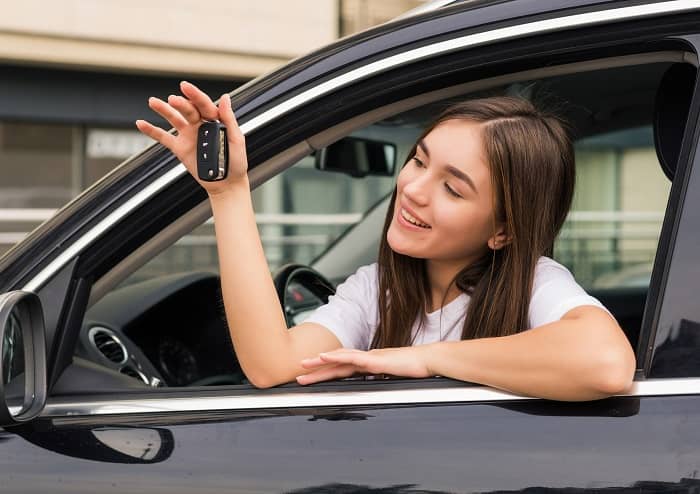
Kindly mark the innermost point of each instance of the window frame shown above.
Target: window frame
(666, 277)
(271, 167)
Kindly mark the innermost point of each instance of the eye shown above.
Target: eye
(418, 162)
(451, 191)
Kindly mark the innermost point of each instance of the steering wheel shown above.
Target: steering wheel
(304, 275)
(307, 277)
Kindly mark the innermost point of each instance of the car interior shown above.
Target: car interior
(170, 330)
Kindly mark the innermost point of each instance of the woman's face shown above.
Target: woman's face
(443, 209)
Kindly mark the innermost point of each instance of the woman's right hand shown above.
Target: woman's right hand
(186, 113)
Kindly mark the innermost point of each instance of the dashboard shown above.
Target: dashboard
(168, 331)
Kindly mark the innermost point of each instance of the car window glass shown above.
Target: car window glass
(611, 234)
(610, 237)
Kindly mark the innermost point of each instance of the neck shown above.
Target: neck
(440, 276)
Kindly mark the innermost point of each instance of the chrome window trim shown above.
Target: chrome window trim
(427, 7)
(104, 225)
(266, 400)
(471, 40)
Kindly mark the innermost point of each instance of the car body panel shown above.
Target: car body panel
(455, 448)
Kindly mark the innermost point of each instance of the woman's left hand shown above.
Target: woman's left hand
(344, 362)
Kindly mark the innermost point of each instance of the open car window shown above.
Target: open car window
(166, 320)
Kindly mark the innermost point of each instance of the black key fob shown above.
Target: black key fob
(212, 152)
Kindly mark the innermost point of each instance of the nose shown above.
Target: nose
(416, 189)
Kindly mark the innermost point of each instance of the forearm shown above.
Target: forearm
(253, 312)
(565, 360)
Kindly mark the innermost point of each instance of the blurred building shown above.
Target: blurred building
(75, 74)
(74, 78)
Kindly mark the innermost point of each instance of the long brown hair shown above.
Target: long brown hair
(531, 160)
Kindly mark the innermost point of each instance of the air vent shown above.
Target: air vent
(130, 371)
(108, 344)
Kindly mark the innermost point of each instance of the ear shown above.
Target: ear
(499, 240)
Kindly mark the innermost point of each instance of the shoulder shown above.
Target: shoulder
(364, 276)
(361, 286)
(547, 264)
(547, 269)
(555, 292)
(369, 271)
(351, 313)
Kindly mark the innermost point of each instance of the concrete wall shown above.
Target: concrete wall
(231, 39)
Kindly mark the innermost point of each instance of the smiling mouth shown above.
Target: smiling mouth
(405, 215)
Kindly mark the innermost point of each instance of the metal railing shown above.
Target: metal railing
(591, 243)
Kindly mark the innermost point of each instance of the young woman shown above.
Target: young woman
(462, 271)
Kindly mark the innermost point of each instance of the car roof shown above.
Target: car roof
(429, 25)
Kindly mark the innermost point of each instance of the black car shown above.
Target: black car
(120, 378)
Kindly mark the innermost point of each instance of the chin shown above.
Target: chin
(402, 247)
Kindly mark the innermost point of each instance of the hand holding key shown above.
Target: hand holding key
(186, 114)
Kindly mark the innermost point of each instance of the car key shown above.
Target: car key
(212, 152)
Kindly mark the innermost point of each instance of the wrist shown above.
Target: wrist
(427, 357)
(229, 188)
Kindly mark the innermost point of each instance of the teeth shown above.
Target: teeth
(412, 220)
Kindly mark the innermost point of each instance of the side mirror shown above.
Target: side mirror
(22, 358)
(358, 157)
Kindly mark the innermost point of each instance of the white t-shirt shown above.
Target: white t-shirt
(352, 313)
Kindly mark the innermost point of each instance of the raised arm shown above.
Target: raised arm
(269, 354)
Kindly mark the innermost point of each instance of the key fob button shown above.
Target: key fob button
(212, 160)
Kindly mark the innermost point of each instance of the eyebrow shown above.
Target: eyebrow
(452, 170)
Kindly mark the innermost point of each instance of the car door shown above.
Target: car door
(431, 435)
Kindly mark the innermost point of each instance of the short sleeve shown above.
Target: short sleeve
(554, 293)
(351, 313)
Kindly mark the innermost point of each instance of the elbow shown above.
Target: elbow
(261, 383)
(614, 373)
(262, 380)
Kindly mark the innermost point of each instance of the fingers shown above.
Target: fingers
(166, 111)
(186, 109)
(353, 357)
(204, 105)
(165, 138)
(310, 363)
(342, 355)
(327, 374)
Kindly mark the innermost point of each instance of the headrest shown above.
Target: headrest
(671, 113)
